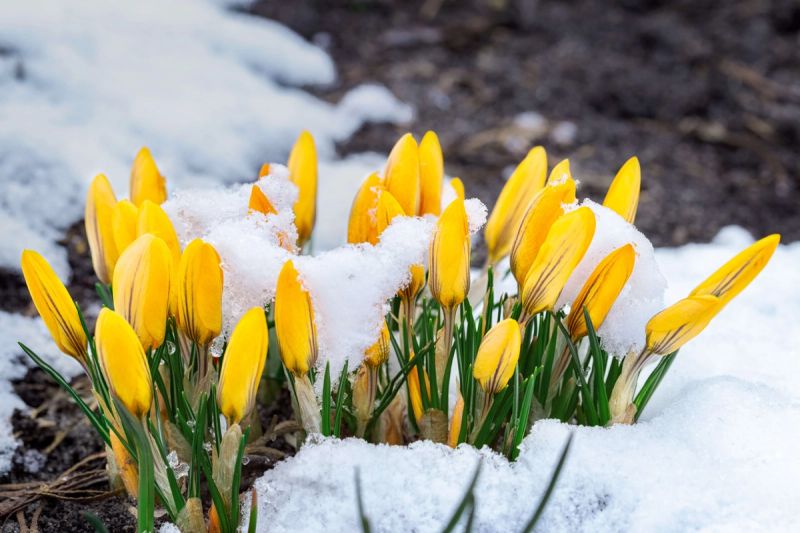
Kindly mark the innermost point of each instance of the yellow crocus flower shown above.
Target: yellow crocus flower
(416, 283)
(388, 208)
(153, 220)
(260, 203)
(527, 180)
(123, 362)
(455, 422)
(545, 209)
(560, 172)
(361, 226)
(378, 353)
(294, 322)
(147, 183)
(199, 288)
(55, 305)
(623, 194)
(141, 286)
(731, 279)
(415, 393)
(458, 187)
(497, 356)
(303, 173)
(601, 290)
(431, 175)
(242, 366)
(124, 222)
(264, 170)
(448, 277)
(679, 323)
(564, 247)
(100, 201)
(401, 175)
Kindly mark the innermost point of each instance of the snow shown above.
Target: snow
(715, 450)
(212, 92)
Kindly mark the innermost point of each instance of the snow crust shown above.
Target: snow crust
(715, 451)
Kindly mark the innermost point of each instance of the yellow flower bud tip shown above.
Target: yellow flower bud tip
(732, 278)
(100, 201)
(545, 209)
(601, 290)
(527, 180)
(259, 203)
(431, 175)
(294, 322)
(497, 356)
(123, 362)
(141, 288)
(200, 281)
(401, 175)
(623, 194)
(303, 173)
(560, 173)
(147, 183)
(378, 353)
(455, 422)
(54, 304)
(458, 187)
(562, 250)
(242, 365)
(388, 208)
(154, 220)
(448, 277)
(124, 222)
(679, 323)
(264, 170)
(362, 225)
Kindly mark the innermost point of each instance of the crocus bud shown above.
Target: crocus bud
(294, 322)
(124, 222)
(303, 173)
(732, 277)
(455, 422)
(431, 175)
(362, 226)
(601, 290)
(448, 277)
(562, 250)
(260, 203)
(199, 289)
(123, 362)
(527, 180)
(623, 194)
(147, 183)
(416, 283)
(401, 175)
(560, 173)
(153, 220)
(378, 353)
(458, 187)
(264, 170)
(55, 305)
(679, 323)
(242, 366)
(415, 393)
(546, 207)
(141, 286)
(497, 356)
(388, 208)
(100, 201)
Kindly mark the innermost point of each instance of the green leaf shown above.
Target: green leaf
(340, 400)
(251, 528)
(549, 490)
(146, 496)
(652, 383)
(363, 519)
(524, 415)
(95, 522)
(598, 372)
(237, 479)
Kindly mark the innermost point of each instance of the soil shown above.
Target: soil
(706, 94)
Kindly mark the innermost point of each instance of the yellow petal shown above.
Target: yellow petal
(601, 290)
(361, 226)
(260, 203)
(147, 183)
(731, 279)
(378, 353)
(458, 187)
(527, 180)
(200, 279)
(455, 422)
(623, 194)
(388, 208)
(100, 201)
(55, 305)
(564, 247)
(401, 175)
(545, 209)
(242, 365)
(497, 356)
(303, 173)
(126, 465)
(153, 220)
(448, 276)
(560, 173)
(123, 362)
(431, 175)
(679, 323)
(416, 283)
(141, 286)
(124, 222)
(294, 322)
(414, 391)
(264, 170)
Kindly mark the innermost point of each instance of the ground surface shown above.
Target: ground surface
(688, 88)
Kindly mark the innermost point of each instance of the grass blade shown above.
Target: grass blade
(549, 490)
